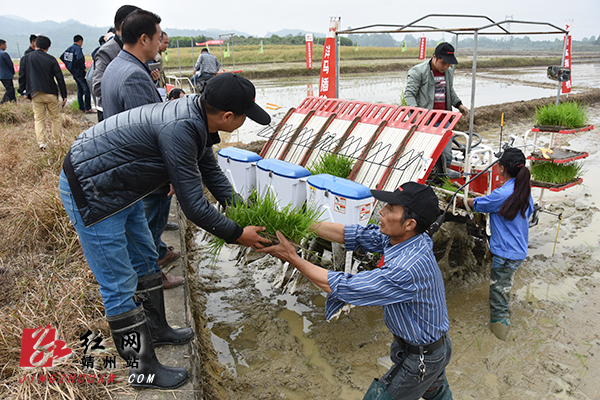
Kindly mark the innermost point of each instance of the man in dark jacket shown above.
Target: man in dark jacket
(107, 52)
(7, 73)
(127, 83)
(32, 39)
(113, 165)
(75, 62)
(39, 74)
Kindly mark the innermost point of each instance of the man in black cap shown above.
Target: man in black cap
(114, 164)
(430, 85)
(409, 287)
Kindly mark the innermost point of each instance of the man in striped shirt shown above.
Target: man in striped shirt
(409, 287)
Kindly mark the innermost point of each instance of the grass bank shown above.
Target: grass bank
(43, 274)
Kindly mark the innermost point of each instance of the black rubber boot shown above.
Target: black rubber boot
(132, 339)
(150, 293)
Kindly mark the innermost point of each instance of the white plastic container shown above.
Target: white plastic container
(285, 181)
(239, 167)
(344, 201)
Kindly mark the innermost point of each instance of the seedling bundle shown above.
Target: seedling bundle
(332, 164)
(553, 173)
(565, 115)
(262, 210)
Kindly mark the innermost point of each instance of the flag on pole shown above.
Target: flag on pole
(260, 50)
(226, 51)
(166, 57)
(404, 46)
(356, 48)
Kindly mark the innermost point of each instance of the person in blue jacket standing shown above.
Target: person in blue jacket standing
(509, 207)
(75, 62)
(7, 73)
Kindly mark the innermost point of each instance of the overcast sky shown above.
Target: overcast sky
(257, 17)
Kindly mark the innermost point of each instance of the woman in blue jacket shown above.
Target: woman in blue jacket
(509, 207)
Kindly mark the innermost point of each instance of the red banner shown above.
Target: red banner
(309, 50)
(328, 71)
(566, 86)
(422, 48)
(210, 43)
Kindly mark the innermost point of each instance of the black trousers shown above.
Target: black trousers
(9, 95)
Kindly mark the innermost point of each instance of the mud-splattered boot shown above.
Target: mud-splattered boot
(500, 328)
(150, 293)
(133, 342)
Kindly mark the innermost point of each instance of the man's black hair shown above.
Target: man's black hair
(204, 50)
(32, 38)
(162, 34)
(77, 38)
(2, 41)
(138, 23)
(175, 93)
(43, 42)
(422, 225)
(101, 40)
(121, 14)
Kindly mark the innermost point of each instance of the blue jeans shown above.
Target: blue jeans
(118, 249)
(84, 97)
(403, 377)
(201, 77)
(501, 280)
(156, 208)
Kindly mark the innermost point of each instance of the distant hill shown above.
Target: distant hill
(16, 31)
(293, 32)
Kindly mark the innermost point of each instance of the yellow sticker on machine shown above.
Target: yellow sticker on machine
(312, 194)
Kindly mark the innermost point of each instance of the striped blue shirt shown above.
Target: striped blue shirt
(409, 286)
(509, 239)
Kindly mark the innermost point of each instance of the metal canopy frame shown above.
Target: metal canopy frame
(489, 27)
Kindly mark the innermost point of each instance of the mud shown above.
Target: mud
(266, 343)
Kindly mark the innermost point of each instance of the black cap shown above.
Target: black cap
(419, 198)
(230, 92)
(512, 158)
(445, 51)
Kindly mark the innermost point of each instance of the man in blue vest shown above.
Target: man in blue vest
(7, 73)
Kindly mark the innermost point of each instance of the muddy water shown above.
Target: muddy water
(276, 345)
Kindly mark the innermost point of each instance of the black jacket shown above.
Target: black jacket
(129, 155)
(39, 72)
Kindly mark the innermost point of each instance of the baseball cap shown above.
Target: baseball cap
(231, 92)
(512, 158)
(445, 51)
(419, 198)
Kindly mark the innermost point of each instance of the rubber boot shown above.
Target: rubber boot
(132, 339)
(150, 293)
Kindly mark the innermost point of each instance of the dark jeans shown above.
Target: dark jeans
(403, 378)
(9, 95)
(501, 280)
(84, 97)
(156, 208)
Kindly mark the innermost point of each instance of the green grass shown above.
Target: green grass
(75, 105)
(544, 171)
(568, 114)
(332, 164)
(448, 185)
(261, 210)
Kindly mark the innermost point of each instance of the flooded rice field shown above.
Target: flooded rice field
(270, 339)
